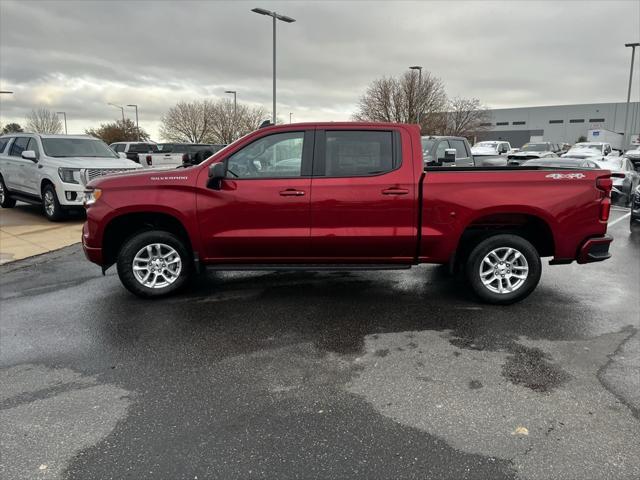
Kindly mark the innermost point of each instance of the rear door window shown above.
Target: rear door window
(355, 153)
(19, 146)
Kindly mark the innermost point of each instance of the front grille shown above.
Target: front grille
(92, 173)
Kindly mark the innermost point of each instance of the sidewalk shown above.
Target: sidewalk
(24, 232)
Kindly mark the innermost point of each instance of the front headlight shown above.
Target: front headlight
(69, 175)
(91, 196)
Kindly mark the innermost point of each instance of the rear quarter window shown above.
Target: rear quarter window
(353, 153)
(3, 143)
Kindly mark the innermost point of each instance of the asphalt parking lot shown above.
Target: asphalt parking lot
(325, 375)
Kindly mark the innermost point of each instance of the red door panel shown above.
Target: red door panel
(365, 217)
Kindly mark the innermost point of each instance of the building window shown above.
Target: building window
(501, 124)
(596, 120)
(518, 123)
(486, 124)
(576, 120)
(556, 121)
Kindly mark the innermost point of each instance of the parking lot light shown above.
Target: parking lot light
(284, 18)
(626, 114)
(122, 109)
(137, 127)
(419, 68)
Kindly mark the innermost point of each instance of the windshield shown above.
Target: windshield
(587, 146)
(76, 147)
(487, 144)
(535, 147)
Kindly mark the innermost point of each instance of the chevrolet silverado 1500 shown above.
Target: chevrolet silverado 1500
(344, 196)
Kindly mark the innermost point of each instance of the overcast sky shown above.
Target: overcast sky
(79, 56)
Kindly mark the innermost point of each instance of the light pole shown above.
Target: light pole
(6, 91)
(137, 127)
(626, 113)
(419, 115)
(275, 17)
(121, 108)
(64, 114)
(235, 102)
(290, 114)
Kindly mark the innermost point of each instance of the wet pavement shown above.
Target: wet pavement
(320, 375)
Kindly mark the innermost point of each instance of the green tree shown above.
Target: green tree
(12, 128)
(118, 132)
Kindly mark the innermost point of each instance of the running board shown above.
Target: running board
(308, 267)
(33, 200)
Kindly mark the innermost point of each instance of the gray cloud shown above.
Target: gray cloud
(78, 56)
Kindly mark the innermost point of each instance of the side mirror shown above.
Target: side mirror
(30, 155)
(217, 173)
(450, 155)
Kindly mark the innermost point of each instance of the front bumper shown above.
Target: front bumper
(595, 249)
(93, 254)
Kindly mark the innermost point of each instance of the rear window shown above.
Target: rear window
(143, 148)
(358, 153)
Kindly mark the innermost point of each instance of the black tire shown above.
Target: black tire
(483, 249)
(136, 244)
(5, 199)
(634, 224)
(50, 204)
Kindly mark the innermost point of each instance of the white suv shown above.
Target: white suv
(53, 170)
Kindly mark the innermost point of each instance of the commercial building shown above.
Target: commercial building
(559, 123)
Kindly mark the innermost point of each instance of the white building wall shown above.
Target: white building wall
(574, 121)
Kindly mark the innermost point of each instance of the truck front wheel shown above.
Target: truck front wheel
(503, 269)
(154, 263)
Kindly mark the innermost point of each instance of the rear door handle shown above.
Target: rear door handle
(291, 192)
(395, 191)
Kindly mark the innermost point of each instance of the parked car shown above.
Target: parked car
(634, 156)
(634, 222)
(53, 170)
(139, 152)
(529, 151)
(561, 163)
(491, 153)
(626, 181)
(592, 150)
(446, 151)
(175, 154)
(351, 196)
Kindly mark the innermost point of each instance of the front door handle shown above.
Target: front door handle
(291, 192)
(395, 191)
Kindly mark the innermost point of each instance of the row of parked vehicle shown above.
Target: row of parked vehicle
(53, 170)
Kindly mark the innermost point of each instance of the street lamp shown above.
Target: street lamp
(626, 114)
(65, 121)
(137, 127)
(419, 115)
(290, 114)
(235, 102)
(121, 108)
(275, 17)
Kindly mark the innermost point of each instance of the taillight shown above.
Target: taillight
(605, 209)
(149, 160)
(604, 184)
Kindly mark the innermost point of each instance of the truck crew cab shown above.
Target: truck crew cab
(344, 196)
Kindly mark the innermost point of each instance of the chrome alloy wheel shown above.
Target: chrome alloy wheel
(49, 203)
(504, 270)
(157, 265)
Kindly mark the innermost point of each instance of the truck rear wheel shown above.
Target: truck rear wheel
(5, 199)
(503, 269)
(153, 264)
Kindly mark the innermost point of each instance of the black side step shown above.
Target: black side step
(308, 267)
(25, 197)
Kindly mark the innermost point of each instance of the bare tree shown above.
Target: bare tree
(210, 122)
(465, 117)
(187, 122)
(42, 120)
(402, 99)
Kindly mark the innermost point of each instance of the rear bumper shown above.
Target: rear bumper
(595, 249)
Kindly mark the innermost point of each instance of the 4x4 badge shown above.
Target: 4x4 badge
(558, 176)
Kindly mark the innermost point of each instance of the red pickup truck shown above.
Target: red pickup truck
(344, 196)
